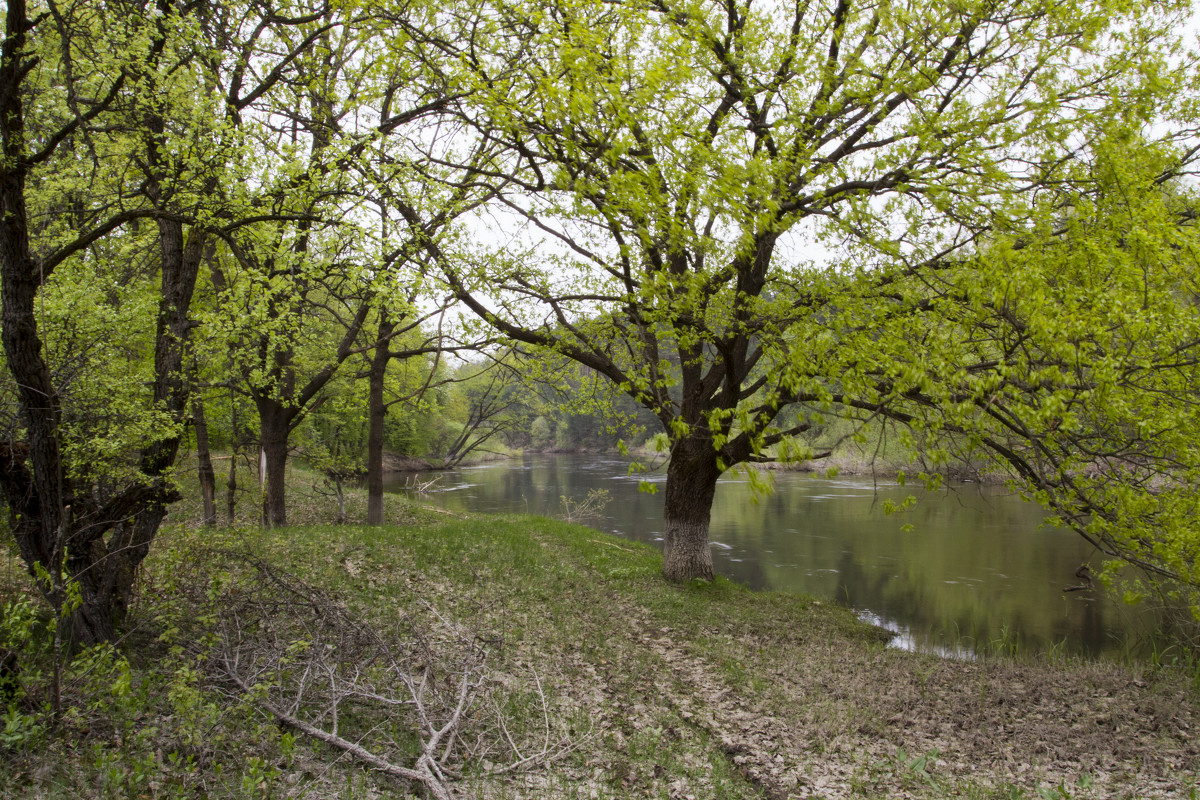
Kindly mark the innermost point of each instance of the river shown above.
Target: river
(976, 571)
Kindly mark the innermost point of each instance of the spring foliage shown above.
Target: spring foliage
(973, 220)
(970, 219)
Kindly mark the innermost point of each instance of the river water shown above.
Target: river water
(975, 572)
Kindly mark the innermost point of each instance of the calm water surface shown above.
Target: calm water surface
(976, 571)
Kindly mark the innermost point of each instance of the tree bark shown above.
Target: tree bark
(58, 522)
(691, 485)
(275, 426)
(376, 414)
(100, 608)
(35, 493)
(339, 487)
(130, 543)
(208, 478)
(231, 484)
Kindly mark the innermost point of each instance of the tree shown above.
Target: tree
(1070, 351)
(491, 400)
(84, 104)
(377, 407)
(112, 116)
(399, 338)
(351, 140)
(737, 201)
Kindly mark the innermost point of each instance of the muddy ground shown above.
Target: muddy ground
(839, 721)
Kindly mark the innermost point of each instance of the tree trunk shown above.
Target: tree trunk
(274, 421)
(35, 493)
(36, 488)
(691, 484)
(208, 478)
(130, 542)
(376, 412)
(231, 487)
(100, 608)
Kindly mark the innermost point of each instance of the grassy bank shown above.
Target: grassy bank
(587, 677)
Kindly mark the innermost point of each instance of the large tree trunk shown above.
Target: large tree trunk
(130, 543)
(376, 412)
(231, 490)
(35, 494)
(691, 484)
(36, 488)
(58, 523)
(100, 608)
(275, 423)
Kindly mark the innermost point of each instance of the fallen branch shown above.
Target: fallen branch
(417, 486)
(613, 544)
(423, 774)
(589, 507)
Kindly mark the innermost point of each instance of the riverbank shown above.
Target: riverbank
(398, 462)
(846, 457)
(593, 678)
(869, 459)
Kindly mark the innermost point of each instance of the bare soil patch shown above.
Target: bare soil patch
(835, 720)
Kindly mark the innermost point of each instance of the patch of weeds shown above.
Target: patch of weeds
(23, 633)
(923, 674)
(259, 777)
(736, 673)
(106, 723)
(867, 781)
(1183, 658)
(1056, 652)
(636, 572)
(691, 763)
(1005, 644)
(918, 768)
(1085, 783)
(1057, 792)
(21, 730)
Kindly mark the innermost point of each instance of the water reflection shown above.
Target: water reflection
(976, 570)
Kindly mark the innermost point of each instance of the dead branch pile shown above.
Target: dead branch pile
(415, 701)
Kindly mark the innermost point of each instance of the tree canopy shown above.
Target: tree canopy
(747, 206)
(973, 220)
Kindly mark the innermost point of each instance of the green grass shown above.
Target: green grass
(145, 721)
